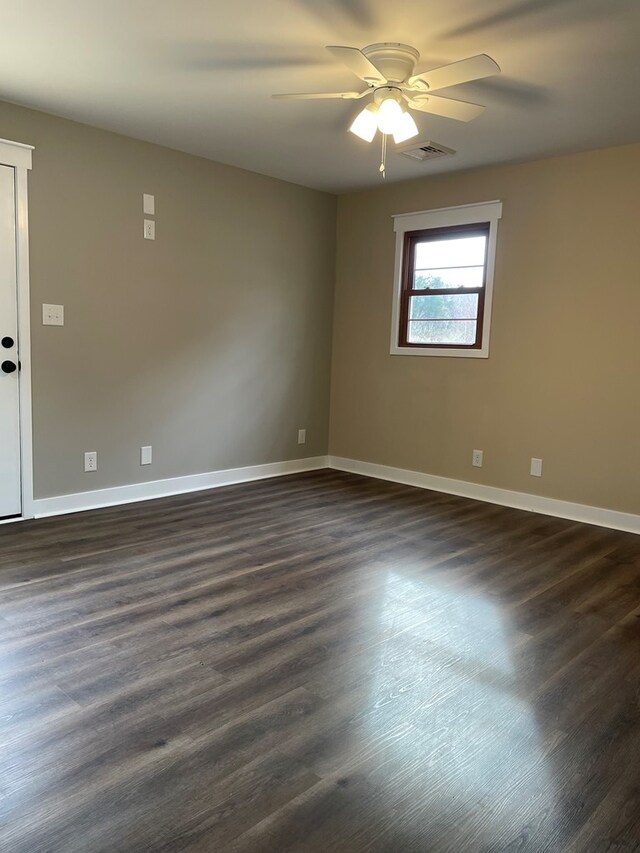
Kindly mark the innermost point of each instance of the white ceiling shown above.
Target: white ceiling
(197, 76)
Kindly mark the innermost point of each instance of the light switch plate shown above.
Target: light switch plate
(148, 204)
(52, 315)
(302, 436)
(536, 467)
(146, 455)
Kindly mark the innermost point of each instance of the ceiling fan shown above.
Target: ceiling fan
(388, 70)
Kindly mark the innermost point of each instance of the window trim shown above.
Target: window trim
(407, 224)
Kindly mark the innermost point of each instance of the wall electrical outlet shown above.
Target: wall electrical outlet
(91, 461)
(52, 315)
(536, 467)
(146, 455)
(302, 436)
(149, 229)
(477, 458)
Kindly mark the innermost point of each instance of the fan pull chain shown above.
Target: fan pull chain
(383, 166)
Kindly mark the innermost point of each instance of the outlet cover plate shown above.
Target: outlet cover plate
(148, 204)
(52, 315)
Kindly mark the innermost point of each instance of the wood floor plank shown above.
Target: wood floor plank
(318, 662)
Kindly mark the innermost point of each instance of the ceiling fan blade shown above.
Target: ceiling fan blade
(357, 62)
(445, 107)
(316, 96)
(474, 68)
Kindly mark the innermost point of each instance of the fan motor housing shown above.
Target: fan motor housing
(396, 62)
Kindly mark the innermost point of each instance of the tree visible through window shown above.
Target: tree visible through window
(443, 287)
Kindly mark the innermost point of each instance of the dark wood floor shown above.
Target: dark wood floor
(321, 662)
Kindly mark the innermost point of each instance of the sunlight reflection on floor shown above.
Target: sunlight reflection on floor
(446, 668)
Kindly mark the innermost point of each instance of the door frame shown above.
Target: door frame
(18, 156)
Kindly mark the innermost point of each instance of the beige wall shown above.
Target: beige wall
(212, 343)
(561, 381)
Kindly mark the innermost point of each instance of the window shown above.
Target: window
(443, 287)
(444, 277)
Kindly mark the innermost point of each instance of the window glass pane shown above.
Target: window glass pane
(456, 277)
(453, 252)
(460, 332)
(462, 306)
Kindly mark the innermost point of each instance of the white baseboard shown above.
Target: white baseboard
(80, 501)
(518, 500)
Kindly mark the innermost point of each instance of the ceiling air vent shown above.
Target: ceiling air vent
(425, 150)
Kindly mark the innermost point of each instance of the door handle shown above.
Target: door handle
(7, 342)
(8, 367)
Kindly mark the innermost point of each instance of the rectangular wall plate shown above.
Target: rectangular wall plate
(148, 204)
(536, 467)
(149, 231)
(146, 455)
(52, 315)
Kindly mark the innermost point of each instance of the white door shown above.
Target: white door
(10, 502)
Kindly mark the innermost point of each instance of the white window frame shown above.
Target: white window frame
(445, 217)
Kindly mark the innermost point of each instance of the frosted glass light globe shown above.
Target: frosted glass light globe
(405, 129)
(389, 115)
(365, 123)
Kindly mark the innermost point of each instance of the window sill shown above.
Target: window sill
(441, 352)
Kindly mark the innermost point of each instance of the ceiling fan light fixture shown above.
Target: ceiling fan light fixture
(406, 128)
(365, 123)
(388, 70)
(389, 115)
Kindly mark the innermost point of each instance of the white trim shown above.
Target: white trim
(442, 217)
(18, 156)
(24, 341)
(491, 494)
(466, 214)
(81, 501)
